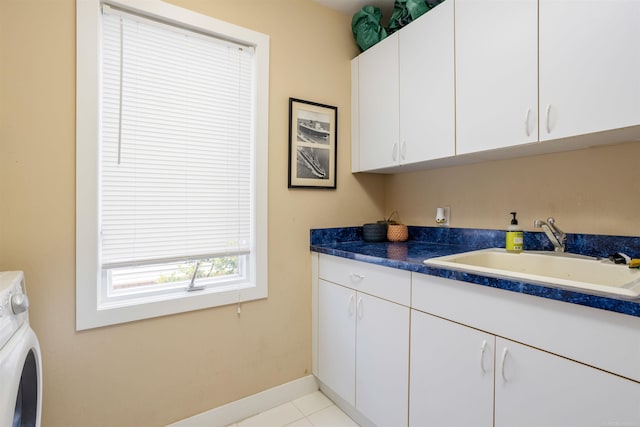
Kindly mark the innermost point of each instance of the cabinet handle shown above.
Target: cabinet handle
(359, 308)
(356, 277)
(394, 154)
(483, 348)
(548, 120)
(403, 151)
(526, 122)
(351, 305)
(502, 360)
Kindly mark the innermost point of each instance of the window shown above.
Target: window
(171, 162)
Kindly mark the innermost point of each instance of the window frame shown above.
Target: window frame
(89, 314)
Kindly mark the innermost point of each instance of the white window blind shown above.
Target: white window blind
(177, 149)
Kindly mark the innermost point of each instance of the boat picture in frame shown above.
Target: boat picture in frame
(312, 144)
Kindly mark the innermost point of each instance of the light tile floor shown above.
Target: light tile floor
(312, 410)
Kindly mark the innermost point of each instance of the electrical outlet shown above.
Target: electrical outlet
(442, 216)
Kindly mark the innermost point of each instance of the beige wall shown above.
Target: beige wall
(587, 191)
(161, 370)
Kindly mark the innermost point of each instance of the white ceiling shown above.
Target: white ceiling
(350, 7)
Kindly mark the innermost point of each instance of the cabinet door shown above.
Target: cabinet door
(427, 111)
(382, 362)
(496, 74)
(378, 105)
(535, 388)
(589, 66)
(337, 339)
(452, 370)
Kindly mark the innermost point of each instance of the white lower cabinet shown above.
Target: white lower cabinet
(382, 361)
(451, 380)
(400, 348)
(535, 388)
(363, 352)
(337, 339)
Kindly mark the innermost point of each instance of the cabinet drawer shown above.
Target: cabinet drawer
(384, 282)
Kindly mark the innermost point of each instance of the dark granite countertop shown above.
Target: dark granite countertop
(430, 242)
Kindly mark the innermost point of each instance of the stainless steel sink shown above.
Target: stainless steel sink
(553, 269)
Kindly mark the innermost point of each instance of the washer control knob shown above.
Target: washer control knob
(19, 303)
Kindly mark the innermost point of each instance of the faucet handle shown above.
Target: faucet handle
(557, 236)
(562, 236)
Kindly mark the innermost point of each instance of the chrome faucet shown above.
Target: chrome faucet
(557, 236)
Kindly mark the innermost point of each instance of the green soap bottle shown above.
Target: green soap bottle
(515, 237)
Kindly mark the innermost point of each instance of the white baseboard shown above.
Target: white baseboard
(252, 405)
(346, 407)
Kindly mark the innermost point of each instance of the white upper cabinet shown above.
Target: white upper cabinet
(378, 105)
(589, 66)
(491, 79)
(427, 110)
(403, 98)
(496, 74)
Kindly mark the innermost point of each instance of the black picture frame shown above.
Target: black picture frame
(313, 142)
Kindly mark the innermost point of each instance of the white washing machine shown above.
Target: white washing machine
(20, 359)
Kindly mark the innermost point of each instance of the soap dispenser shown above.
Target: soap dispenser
(515, 237)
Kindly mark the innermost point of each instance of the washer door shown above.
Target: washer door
(26, 411)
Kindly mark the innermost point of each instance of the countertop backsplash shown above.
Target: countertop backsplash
(595, 245)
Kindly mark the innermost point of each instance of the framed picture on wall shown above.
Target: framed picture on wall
(312, 144)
